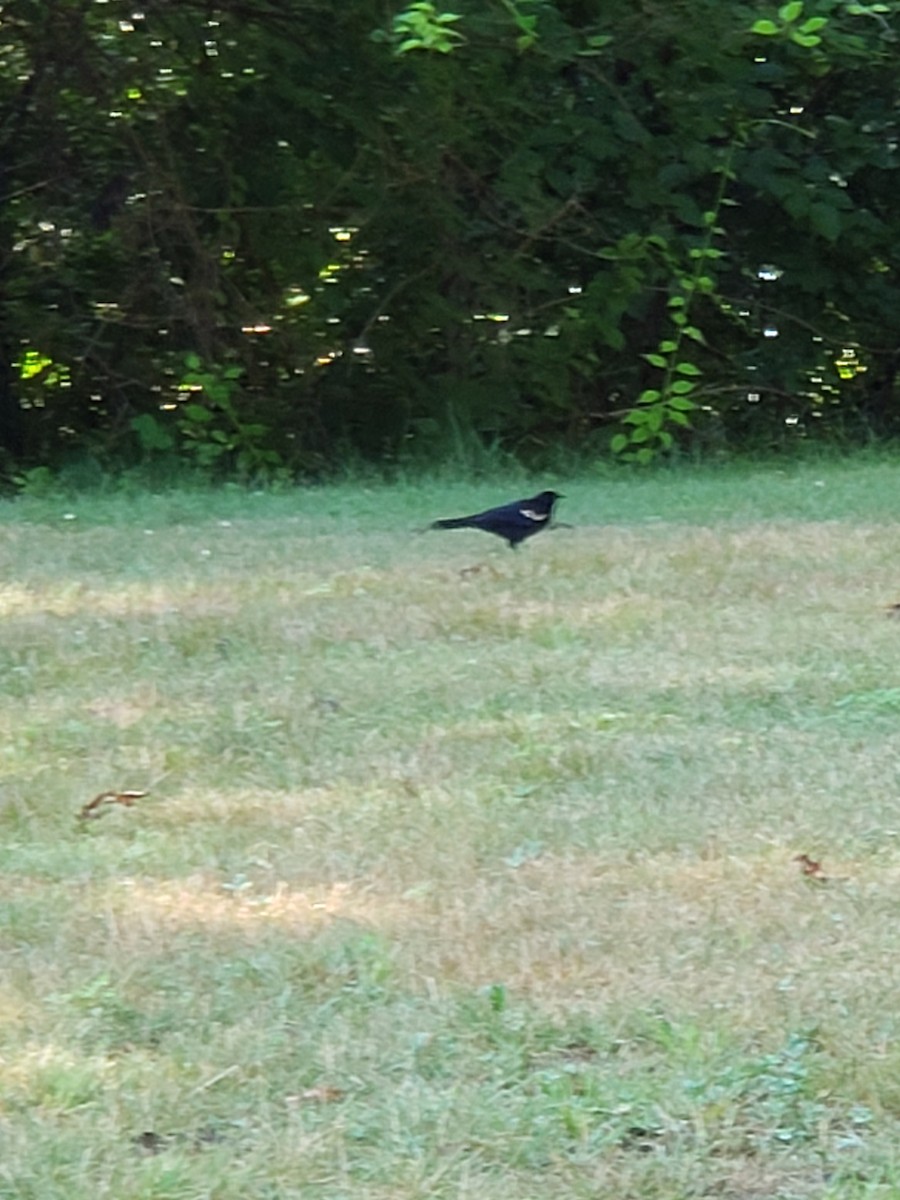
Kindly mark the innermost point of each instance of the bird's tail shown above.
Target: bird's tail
(452, 523)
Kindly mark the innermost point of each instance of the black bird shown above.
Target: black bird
(515, 522)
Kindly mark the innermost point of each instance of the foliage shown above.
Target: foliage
(421, 27)
(521, 221)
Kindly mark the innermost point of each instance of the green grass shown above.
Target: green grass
(453, 882)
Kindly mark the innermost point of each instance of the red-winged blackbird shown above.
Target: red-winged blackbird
(515, 522)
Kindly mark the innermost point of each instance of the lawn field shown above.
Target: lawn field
(460, 872)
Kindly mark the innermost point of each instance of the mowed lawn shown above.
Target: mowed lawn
(461, 873)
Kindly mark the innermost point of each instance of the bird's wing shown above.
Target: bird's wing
(534, 516)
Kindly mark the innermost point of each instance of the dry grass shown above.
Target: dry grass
(452, 882)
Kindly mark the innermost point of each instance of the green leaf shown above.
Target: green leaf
(806, 39)
(637, 417)
(681, 387)
(618, 443)
(765, 27)
(211, 452)
(650, 396)
(629, 128)
(667, 347)
(791, 11)
(192, 362)
(655, 360)
(825, 220)
(695, 334)
(196, 412)
(813, 24)
(655, 418)
(680, 404)
(150, 433)
(687, 368)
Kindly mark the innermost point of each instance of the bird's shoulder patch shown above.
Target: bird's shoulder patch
(532, 515)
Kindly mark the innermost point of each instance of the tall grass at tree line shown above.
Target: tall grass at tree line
(462, 872)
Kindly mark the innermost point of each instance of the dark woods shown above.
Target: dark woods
(265, 238)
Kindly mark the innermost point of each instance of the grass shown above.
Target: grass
(453, 882)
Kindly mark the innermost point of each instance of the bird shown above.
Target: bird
(513, 522)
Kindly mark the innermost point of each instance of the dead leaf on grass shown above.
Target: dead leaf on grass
(94, 808)
(810, 867)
